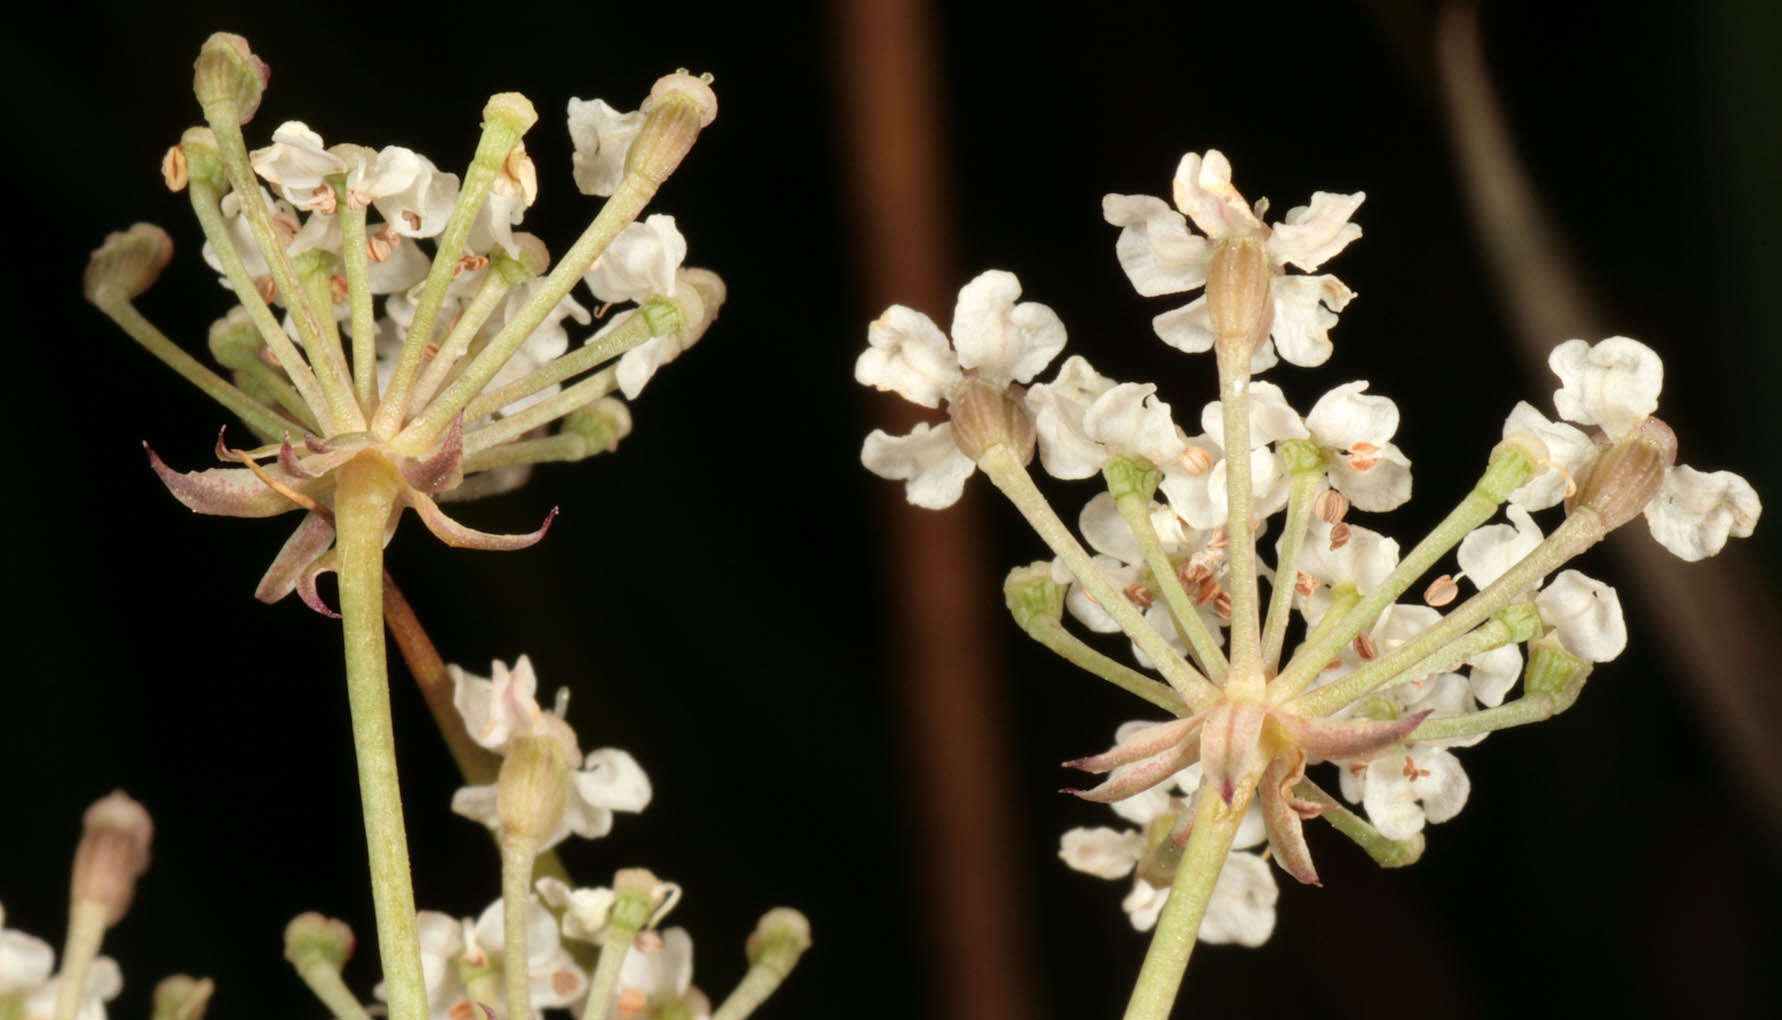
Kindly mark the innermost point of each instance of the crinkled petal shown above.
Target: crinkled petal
(1271, 417)
(1188, 329)
(1102, 852)
(610, 778)
(1487, 552)
(1348, 415)
(1129, 419)
(1085, 609)
(26, 961)
(1241, 910)
(1568, 450)
(602, 137)
(1613, 384)
(1494, 673)
(1306, 308)
(1587, 615)
(1383, 485)
(297, 164)
(927, 461)
(640, 263)
(908, 355)
(1144, 903)
(412, 195)
(1001, 340)
(1158, 253)
(1364, 560)
(1058, 407)
(664, 974)
(1204, 193)
(1312, 234)
(1695, 512)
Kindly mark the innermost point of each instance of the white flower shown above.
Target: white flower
(1161, 256)
(657, 976)
(1488, 551)
(1203, 501)
(602, 137)
(1119, 556)
(1403, 791)
(298, 165)
(585, 911)
(993, 338)
(1614, 384)
(609, 780)
(1355, 429)
(25, 962)
(1587, 615)
(410, 193)
(452, 948)
(1363, 561)
(640, 263)
(501, 709)
(1085, 419)
(103, 983)
(1568, 450)
(547, 342)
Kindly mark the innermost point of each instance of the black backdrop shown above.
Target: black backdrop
(710, 591)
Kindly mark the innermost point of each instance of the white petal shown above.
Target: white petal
(639, 365)
(1102, 852)
(1155, 248)
(1242, 907)
(640, 264)
(1106, 532)
(1086, 610)
(909, 355)
(477, 803)
(1306, 308)
(1058, 407)
(1487, 552)
(1311, 234)
(1567, 451)
(1271, 417)
(1695, 512)
(1131, 421)
(612, 779)
(298, 164)
(927, 461)
(1494, 673)
(1348, 415)
(1002, 340)
(1587, 614)
(25, 962)
(1144, 903)
(1363, 561)
(602, 137)
(1613, 384)
(1188, 329)
(1204, 193)
(1444, 790)
(411, 194)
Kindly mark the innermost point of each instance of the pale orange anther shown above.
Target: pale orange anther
(1218, 540)
(386, 232)
(267, 287)
(632, 1002)
(1363, 455)
(270, 358)
(1192, 572)
(325, 202)
(463, 1009)
(1441, 591)
(519, 167)
(1196, 461)
(337, 288)
(1358, 771)
(1305, 583)
(430, 352)
(470, 264)
(412, 218)
(649, 941)
(1339, 535)
(1412, 772)
(1332, 664)
(1364, 647)
(173, 169)
(1207, 591)
(1222, 605)
(287, 226)
(357, 199)
(378, 248)
(1139, 595)
(565, 983)
(1330, 506)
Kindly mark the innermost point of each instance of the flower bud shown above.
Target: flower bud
(182, 997)
(1238, 299)
(779, 939)
(533, 787)
(1032, 595)
(1131, 476)
(127, 264)
(1625, 475)
(1555, 672)
(311, 938)
(602, 424)
(639, 896)
(204, 162)
(985, 416)
(227, 74)
(679, 107)
(234, 341)
(513, 110)
(533, 258)
(113, 853)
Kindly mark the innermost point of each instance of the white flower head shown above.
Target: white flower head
(410, 193)
(609, 780)
(1161, 256)
(994, 339)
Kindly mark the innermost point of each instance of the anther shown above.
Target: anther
(1363, 455)
(412, 218)
(267, 287)
(325, 202)
(1412, 772)
(470, 264)
(1364, 647)
(1139, 595)
(1196, 461)
(1305, 583)
(173, 169)
(430, 352)
(1441, 591)
(1339, 535)
(1222, 605)
(377, 248)
(337, 288)
(1330, 506)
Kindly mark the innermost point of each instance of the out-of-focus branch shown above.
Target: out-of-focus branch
(1727, 678)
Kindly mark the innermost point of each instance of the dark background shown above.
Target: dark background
(713, 593)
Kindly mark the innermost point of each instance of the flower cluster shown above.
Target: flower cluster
(391, 319)
(1381, 687)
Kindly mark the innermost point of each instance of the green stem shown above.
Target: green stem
(618, 213)
(517, 856)
(1387, 853)
(1234, 403)
(1136, 510)
(1293, 540)
(323, 978)
(634, 329)
(1012, 478)
(206, 205)
(1509, 468)
(356, 260)
(266, 423)
(86, 928)
(1053, 635)
(364, 497)
(492, 292)
(564, 446)
(1579, 532)
(1530, 708)
(542, 413)
(614, 944)
(1160, 977)
(326, 359)
(254, 373)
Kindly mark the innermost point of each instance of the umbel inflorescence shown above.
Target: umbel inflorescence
(395, 344)
(1392, 669)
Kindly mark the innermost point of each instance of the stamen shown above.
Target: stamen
(325, 202)
(1139, 595)
(378, 248)
(632, 1002)
(1364, 647)
(1196, 461)
(430, 352)
(564, 983)
(1363, 455)
(412, 218)
(1339, 536)
(1217, 540)
(649, 941)
(173, 169)
(1441, 591)
(287, 226)
(1222, 605)
(462, 1010)
(357, 199)
(1305, 583)
(267, 287)
(337, 288)
(1330, 506)
(1412, 772)
(470, 264)
(1332, 664)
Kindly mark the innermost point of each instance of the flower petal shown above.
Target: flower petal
(1695, 512)
(1312, 234)
(1101, 851)
(927, 461)
(1587, 615)
(1155, 248)
(1613, 384)
(908, 354)
(1204, 193)
(1001, 340)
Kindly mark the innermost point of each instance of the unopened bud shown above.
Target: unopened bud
(602, 424)
(127, 264)
(779, 939)
(1238, 299)
(638, 896)
(1131, 476)
(532, 260)
(311, 938)
(710, 289)
(1555, 672)
(1300, 455)
(203, 160)
(985, 416)
(227, 74)
(113, 853)
(182, 997)
(532, 789)
(1625, 475)
(680, 106)
(1032, 596)
(234, 341)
